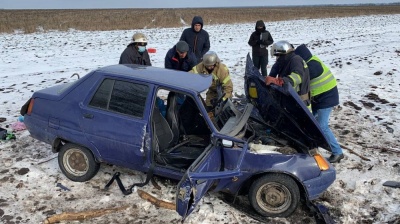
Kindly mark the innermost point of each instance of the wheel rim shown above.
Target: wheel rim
(76, 162)
(273, 197)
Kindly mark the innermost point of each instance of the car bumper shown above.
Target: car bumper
(318, 185)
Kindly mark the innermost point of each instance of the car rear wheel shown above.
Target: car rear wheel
(274, 195)
(77, 162)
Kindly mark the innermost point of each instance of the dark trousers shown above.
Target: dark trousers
(261, 62)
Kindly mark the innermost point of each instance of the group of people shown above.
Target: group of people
(313, 81)
(305, 72)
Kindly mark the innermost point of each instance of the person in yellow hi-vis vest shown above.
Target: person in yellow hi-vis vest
(213, 66)
(324, 96)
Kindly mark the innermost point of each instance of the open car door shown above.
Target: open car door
(204, 173)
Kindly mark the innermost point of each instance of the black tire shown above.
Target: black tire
(274, 195)
(77, 162)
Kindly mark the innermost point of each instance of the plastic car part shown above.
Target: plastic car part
(77, 162)
(274, 195)
(235, 124)
(390, 183)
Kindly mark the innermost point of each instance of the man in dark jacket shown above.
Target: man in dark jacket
(324, 95)
(180, 58)
(197, 38)
(259, 40)
(136, 52)
(292, 69)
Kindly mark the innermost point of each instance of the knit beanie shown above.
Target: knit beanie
(182, 46)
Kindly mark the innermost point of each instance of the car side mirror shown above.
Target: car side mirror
(227, 143)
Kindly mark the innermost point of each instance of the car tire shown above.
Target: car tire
(274, 195)
(77, 162)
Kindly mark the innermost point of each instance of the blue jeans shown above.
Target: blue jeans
(322, 116)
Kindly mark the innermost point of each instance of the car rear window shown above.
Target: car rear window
(121, 96)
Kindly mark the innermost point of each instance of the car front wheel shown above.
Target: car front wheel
(77, 162)
(274, 195)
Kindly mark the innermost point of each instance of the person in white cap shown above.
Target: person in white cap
(136, 52)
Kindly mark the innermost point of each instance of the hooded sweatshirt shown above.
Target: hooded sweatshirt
(199, 42)
(260, 40)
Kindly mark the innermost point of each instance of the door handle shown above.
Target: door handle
(89, 116)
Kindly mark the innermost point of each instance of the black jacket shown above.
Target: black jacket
(132, 56)
(260, 40)
(199, 42)
(324, 100)
(286, 64)
(172, 60)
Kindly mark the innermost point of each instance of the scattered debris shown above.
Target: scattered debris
(75, 74)
(355, 153)
(44, 161)
(394, 184)
(156, 186)
(73, 216)
(155, 201)
(62, 187)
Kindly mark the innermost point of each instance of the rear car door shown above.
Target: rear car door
(115, 119)
(203, 174)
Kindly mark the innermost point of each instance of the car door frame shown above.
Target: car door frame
(205, 173)
(138, 152)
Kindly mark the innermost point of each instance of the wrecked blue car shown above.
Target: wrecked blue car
(154, 120)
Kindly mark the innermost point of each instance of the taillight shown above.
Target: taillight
(30, 107)
(321, 162)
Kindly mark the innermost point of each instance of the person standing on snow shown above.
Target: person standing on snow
(136, 52)
(259, 40)
(290, 68)
(180, 58)
(197, 38)
(220, 73)
(324, 96)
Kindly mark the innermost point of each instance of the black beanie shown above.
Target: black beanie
(182, 46)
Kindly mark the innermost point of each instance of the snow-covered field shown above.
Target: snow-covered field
(363, 53)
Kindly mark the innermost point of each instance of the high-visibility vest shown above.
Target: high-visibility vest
(324, 82)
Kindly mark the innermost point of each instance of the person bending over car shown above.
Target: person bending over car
(136, 52)
(290, 68)
(180, 58)
(220, 72)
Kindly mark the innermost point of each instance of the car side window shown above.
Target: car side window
(122, 97)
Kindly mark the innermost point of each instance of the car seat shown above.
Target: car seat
(163, 132)
(166, 153)
(172, 117)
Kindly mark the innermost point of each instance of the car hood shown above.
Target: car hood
(282, 109)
